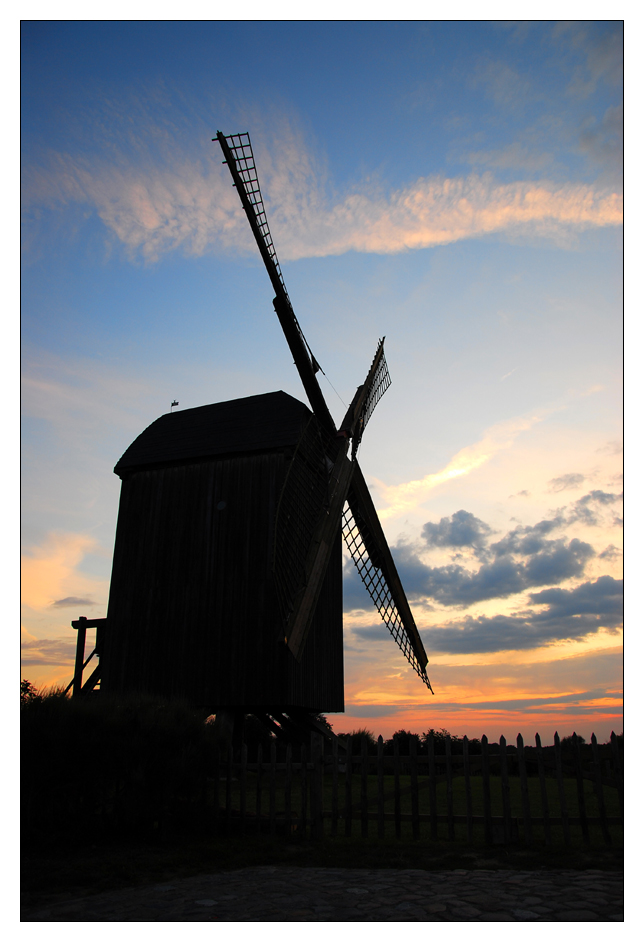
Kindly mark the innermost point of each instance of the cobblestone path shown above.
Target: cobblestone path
(315, 894)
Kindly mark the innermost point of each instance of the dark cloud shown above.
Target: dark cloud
(588, 508)
(526, 557)
(375, 632)
(354, 595)
(528, 540)
(582, 703)
(462, 530)
(611, 552)
(48, 651)
(372, 709)
(545, 562)
(603, 599)
(566, 482)
(570, 614)
(70, 601)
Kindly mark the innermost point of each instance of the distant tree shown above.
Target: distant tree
(440, 735)
(456, 743)
(403, 738)
(357, 737)
(567, 741)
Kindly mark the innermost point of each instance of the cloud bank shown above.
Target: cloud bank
(156, 204)
(524, 559)
(568, 615)
(48, 652)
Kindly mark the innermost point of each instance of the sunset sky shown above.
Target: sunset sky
(453, 186)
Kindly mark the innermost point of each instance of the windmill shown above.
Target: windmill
(226, 581)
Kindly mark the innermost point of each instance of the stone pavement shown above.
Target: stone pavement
(316, 894)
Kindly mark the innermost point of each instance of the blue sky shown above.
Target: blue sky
(453, 186)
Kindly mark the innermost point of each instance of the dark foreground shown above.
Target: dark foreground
(264, 879)
(313, 894)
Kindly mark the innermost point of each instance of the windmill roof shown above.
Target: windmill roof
(257, 423)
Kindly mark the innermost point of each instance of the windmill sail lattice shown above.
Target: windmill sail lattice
(379, 382)
(365, 559)
(240, 150)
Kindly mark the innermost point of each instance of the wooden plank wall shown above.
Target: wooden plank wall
(192, 611)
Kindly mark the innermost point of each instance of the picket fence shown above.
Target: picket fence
(531, 794)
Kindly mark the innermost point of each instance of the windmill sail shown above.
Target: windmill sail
(372, 557)
(367, 398)
(238, 155)
(322, 480)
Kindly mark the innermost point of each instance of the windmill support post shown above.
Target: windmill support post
(82, 624)
(81, 632)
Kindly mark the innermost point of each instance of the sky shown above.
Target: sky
(454, 186)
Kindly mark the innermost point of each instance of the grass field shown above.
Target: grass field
(611, 804)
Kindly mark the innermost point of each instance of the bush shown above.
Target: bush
(94, 764)
(28, 693)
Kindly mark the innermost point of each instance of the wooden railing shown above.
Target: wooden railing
(535, 794)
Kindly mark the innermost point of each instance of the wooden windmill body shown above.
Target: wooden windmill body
(195, 608)
(227, 575)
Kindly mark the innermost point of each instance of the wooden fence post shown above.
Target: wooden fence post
(317, 786)
(347, 789)
(487, 800)
(450, 790)
(544, 793)
(562, 794)
(229, 785)
(581, 798)
(258, 793)
(364, 819)
(397, 786)
(242, 786)
(288, 775)
(599, 790)
(216, 791)
(334, 790)
(271, 805)
(525, 796)
(433, 816)
(381, 790)
(303, 786)
(468, 789)
(413, 762)
(505, 792)
(618, 765)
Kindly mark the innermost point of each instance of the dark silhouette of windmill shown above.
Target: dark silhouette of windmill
(227, 575)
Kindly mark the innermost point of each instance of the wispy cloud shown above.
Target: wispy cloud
(47, 652)
(71, 601)
(404, 497)
(50, 571)
(566, 482)
(156, 204)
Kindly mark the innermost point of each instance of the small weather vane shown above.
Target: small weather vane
(174, 403)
